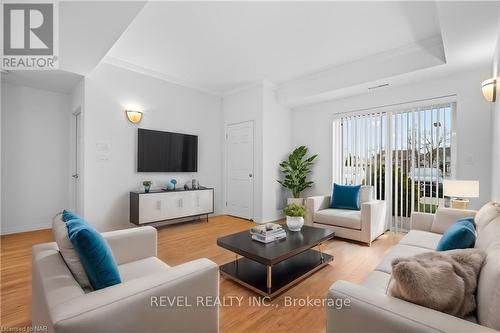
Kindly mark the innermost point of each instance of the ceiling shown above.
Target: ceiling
(53, 80)
(310, 51)
(221, 46)
(88, 29)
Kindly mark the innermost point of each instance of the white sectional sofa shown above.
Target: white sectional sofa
(372, 310)
(363, 225)
(61, 305)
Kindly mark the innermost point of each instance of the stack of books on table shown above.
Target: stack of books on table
(268, 232)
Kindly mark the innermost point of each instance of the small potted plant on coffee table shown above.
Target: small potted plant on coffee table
(294, 216)
(147, 185)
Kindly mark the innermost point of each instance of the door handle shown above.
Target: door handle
(250, 175)
(75, 176)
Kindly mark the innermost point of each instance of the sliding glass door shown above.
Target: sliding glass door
(404, 154)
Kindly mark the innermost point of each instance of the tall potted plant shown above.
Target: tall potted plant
(295, 170)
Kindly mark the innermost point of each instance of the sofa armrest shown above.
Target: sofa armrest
(132, 244)
(355, 308)
(313, 204)
(421, 221)
(176, 300)
(445, 217)
(373, 215)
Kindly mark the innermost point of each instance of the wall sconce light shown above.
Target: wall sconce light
(134, 117)
(489, 88)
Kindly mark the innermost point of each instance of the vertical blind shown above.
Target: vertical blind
(405, 155)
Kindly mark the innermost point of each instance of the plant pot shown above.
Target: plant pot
(294, 223)
(297, 201)
(147, 188)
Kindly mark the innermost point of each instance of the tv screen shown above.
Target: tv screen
(166, 152)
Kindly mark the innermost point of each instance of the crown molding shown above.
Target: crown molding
(158, 75)
(263, 83)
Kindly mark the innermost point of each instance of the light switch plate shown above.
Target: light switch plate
(102, 146)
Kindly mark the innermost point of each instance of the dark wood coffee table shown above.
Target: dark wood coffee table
(271, 268)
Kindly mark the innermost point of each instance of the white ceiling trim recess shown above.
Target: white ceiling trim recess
(161, 76)
(356, 76)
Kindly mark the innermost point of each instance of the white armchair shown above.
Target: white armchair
(60, 304)
(364, 225)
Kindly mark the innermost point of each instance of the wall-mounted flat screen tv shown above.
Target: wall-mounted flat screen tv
(166, 152)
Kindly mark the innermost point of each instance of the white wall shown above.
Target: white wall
(276, 148)
(35, 157)
(495, 128)
(312, 126)
(110, 140)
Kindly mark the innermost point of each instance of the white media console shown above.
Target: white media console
(157, 206)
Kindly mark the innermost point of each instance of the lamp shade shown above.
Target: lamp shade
(134, 117)
(489, 88)
(461, 188)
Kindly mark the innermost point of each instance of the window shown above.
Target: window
(407, 153)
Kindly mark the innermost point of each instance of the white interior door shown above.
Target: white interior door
(239, 166)
(77, 161)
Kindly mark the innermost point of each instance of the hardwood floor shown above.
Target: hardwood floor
(183, 242)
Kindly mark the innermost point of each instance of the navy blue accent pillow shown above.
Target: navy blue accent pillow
(460, 235)
(345, 196)
(69, 215)
(95, 254)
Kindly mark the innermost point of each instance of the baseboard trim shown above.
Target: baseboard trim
(7, 230)
(41, 226)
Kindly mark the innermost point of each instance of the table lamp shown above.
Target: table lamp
(459, 191)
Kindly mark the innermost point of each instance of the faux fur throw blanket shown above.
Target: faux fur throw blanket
(444, 281)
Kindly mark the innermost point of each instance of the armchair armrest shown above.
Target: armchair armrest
(384, 313)
(172, 301)
(373, 214)
(313, 204)
(421, 221)
(132, 244)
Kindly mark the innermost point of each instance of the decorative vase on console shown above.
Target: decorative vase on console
(173, 182)
(147, 185)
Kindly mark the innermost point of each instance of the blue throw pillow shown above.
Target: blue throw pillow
(95, 254)
(69, 215)
(460, 235)
(345, 196)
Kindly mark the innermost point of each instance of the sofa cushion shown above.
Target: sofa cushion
(488, 291)
(460, 235)
(486, 214)
(445, 217)
(377, 281)
(68, 252)
(140, 268)
(345, 197)
(425, 239)
(399, 251)
(345, 218)
(489, 236)
(95, 254)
